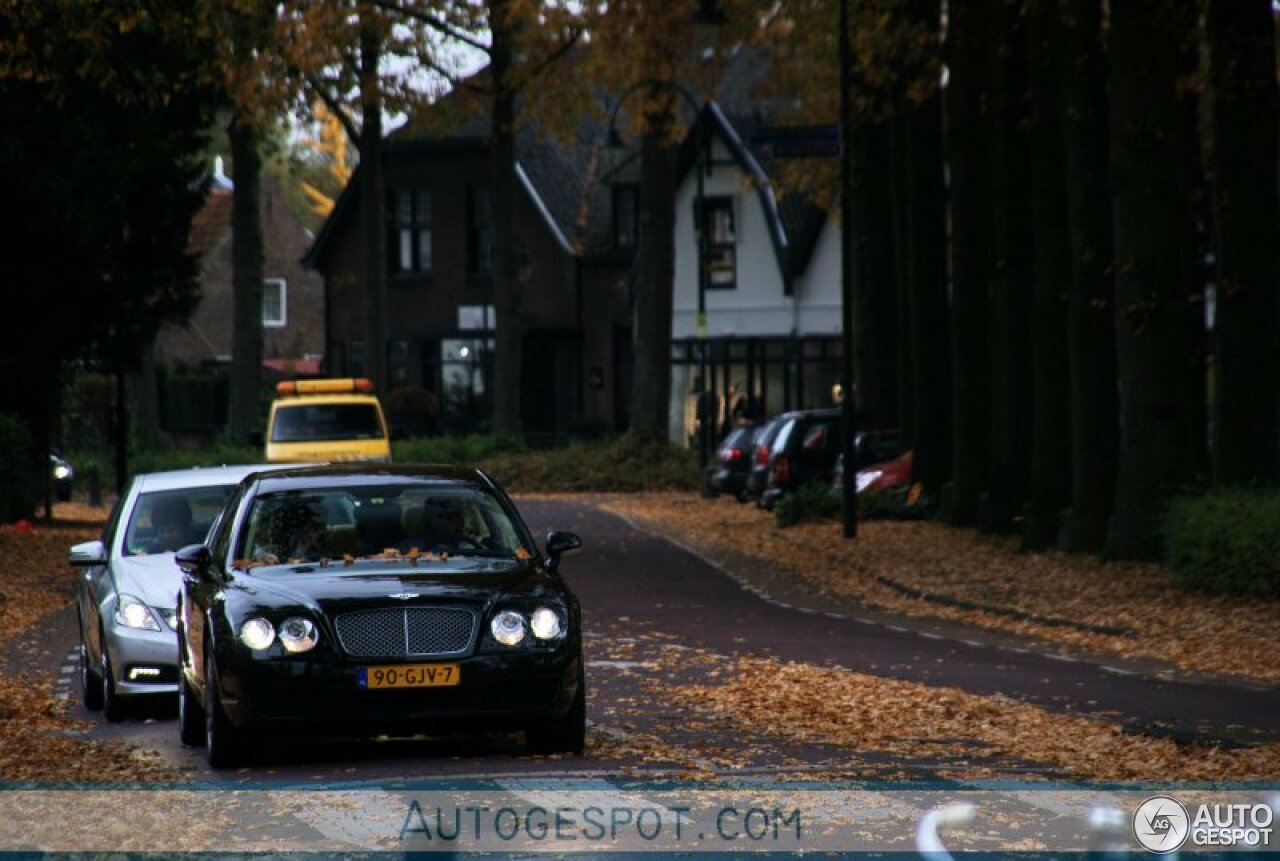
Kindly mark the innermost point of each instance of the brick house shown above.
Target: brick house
(439, 293)
(194, 357)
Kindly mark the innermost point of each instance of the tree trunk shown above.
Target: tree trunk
(1050, 490)
(506, 288)
(144, 401)
(654, 273)
(928, 339)
(245, 409)
(900, 206)
(1155, 321)
(1246, 421)
(875, 298)
(1008, 151)
(970, 222)
(1095, 429)
(373, 200)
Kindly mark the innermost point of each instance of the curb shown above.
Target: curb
(996, 610)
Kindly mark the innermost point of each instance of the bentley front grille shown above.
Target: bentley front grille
(406, 632)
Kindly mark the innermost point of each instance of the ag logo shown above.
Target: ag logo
(1161, 824)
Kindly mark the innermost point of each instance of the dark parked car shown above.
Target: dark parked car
(758, 477)
(804, 450)
(734, 459)
(877, 446)
(390, 599)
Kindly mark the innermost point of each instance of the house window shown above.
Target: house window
(274, 303)
(411, 234)
(721, 245)
(479, 228)
(626, 215)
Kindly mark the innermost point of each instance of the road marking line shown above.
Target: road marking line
(1118, 671)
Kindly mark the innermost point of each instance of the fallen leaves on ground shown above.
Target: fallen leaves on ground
(38, 741)
(1196, 632)
(37, 579)
(806, 703)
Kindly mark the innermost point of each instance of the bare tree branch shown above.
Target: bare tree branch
(335, 107)
(549, 60)
(434, 22)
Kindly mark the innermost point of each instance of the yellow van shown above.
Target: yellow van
(327, 420)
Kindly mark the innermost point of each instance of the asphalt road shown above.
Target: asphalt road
(646, 603)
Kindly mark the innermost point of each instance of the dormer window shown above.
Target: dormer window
(722, 240)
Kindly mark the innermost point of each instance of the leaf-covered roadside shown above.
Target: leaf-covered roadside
(1160, 621)
(865, 713)
(38, 740)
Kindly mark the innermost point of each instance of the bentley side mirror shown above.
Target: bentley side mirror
(194, 559)
(559, 543)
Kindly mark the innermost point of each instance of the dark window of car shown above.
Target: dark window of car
(784, 436)
(117, 513)
(322, 422)
(377, 520)
(479, 228)
(224, 525)
(165, 521)
(818, 438)
(626, 212)
(766, 436)
(411, 235)
(738, 438)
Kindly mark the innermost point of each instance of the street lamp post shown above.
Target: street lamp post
(848, 404)
(700, 232)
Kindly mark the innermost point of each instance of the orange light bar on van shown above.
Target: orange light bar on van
(324, 387)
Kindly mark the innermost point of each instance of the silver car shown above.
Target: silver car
(128, 583)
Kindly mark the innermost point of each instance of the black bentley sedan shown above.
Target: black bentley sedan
(376, 599)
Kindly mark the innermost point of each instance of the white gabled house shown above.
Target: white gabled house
(772, 336)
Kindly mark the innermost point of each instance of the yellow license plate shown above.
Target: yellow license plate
(410, 676)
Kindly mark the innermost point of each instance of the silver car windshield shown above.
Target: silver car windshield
(168, 520)
(376, 521)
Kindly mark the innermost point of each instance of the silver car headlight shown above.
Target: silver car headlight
(132, 613)
(545, 624)
(257, 634)
(298, 635)
(508, 628)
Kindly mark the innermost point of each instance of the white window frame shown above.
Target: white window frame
(283, 286)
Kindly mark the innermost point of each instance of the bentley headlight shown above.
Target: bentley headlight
(61, 472)
(298, 635)
(545, 624)
(132, 613)
(257, 634)
(508, 628)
